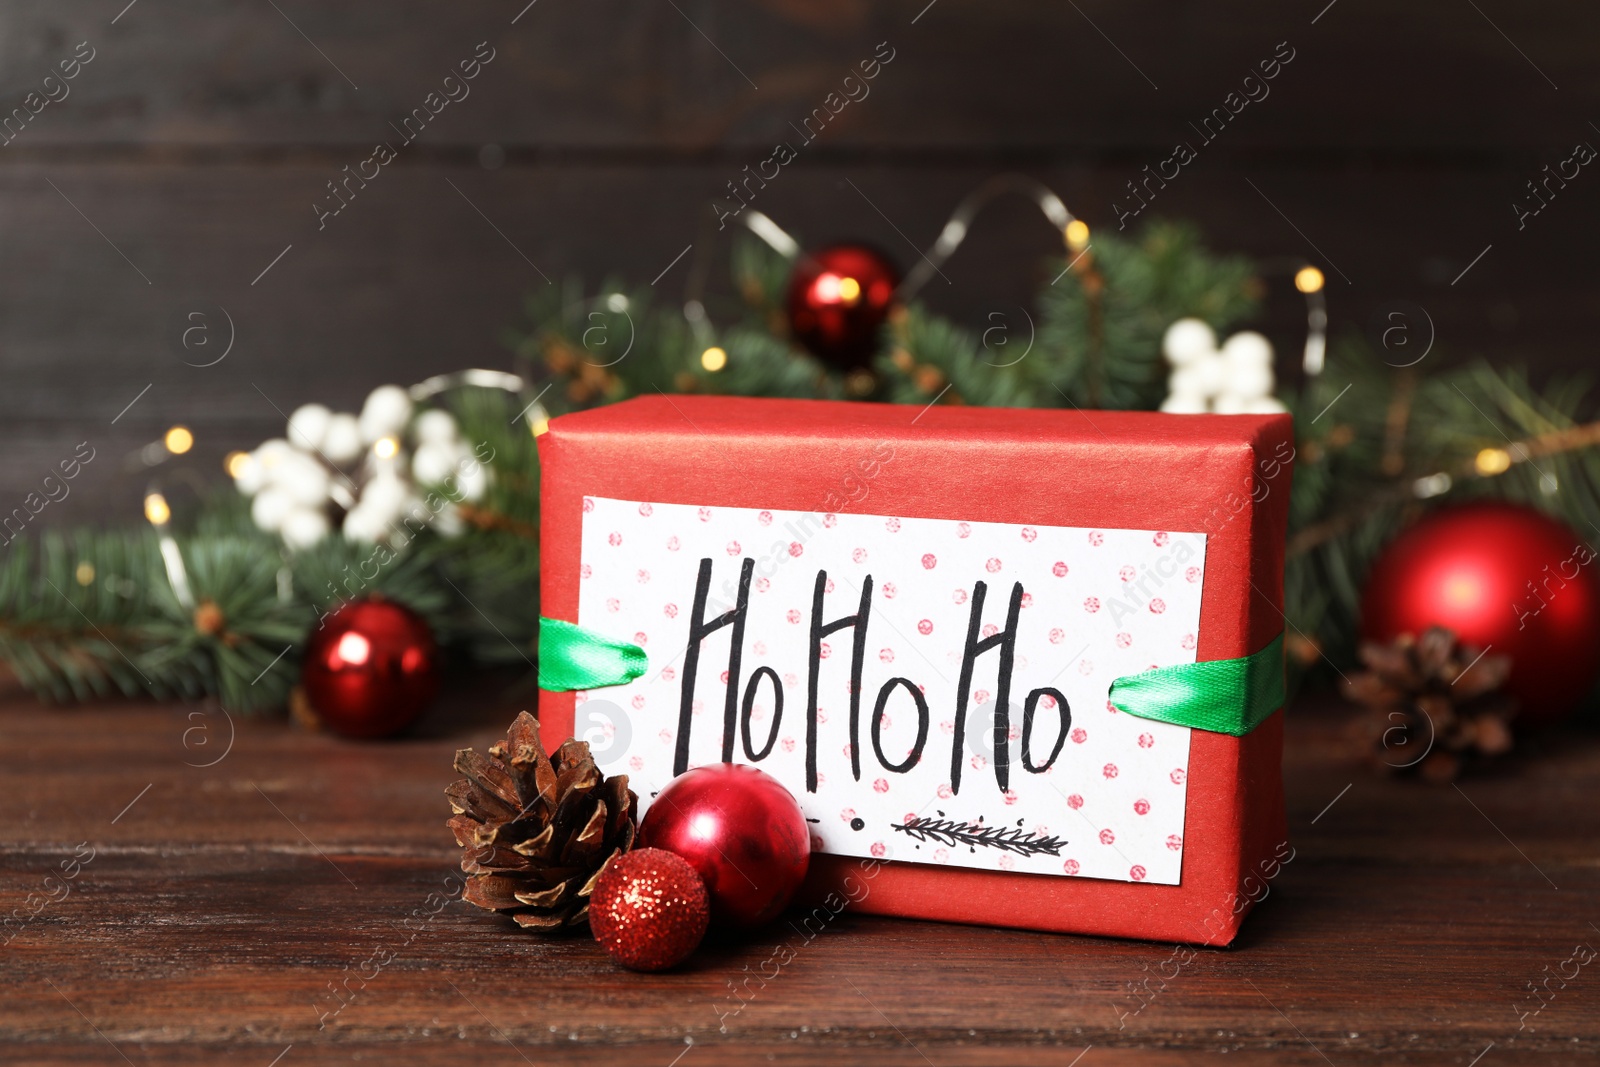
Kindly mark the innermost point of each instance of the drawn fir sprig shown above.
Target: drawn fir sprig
(975, 835)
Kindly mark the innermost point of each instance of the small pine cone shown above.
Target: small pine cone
(535, 832)
(1434, 703)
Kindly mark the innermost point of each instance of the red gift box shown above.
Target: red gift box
(1045, 472)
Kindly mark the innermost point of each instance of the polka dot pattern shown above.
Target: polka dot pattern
(1096, 604)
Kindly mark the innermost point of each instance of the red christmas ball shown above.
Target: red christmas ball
(838, 299)
(649, 909)
(742, 830)
(370, 668)
(1505, 577)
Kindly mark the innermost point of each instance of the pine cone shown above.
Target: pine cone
(1434, 704)
(534, 832)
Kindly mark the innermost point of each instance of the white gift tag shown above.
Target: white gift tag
(1038, 619)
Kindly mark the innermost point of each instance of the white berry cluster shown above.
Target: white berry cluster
(355, 471)
(1233, 380)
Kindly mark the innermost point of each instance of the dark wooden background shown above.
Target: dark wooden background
(199, 136)
(242, 870)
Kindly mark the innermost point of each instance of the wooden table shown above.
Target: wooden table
(223, 903)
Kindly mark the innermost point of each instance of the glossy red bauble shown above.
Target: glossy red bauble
(1504, 577)
(649, 909)
(370, 668)
(838, 299)
(742, 830)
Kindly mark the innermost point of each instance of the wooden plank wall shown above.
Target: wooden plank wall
(188, 152)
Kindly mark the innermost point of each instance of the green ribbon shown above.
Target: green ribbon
(571, 657)
(1225, 696)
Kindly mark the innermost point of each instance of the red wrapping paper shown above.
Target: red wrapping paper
(1223, 475)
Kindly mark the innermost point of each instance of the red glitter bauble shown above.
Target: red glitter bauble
(838, 299)
(1503, 577)
(649, 909)
(742, 830)
(370, 668)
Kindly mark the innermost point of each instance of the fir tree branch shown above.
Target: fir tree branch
(1550, 443)
(975, 835)
(85, 613)
(488, 519)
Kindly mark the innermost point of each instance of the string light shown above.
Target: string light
(537, 417)
(159, 514)
(237, 463)
(1492, 461)
(849, 290)
(179, 440)
(85, 573)
(1431, 486)
(1309, 280)
(713, 359)
(1073, 231)
(385, 447)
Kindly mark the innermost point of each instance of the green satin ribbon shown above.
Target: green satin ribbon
(1228, 696)
(1225, 696)
(571, 657)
